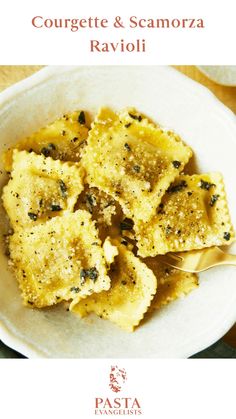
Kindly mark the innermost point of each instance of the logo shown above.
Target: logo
(118, 377)
(108, 405)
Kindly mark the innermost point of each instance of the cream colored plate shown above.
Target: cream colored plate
(184, 327)
(221, 74)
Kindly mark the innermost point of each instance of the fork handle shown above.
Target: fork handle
(228, 259)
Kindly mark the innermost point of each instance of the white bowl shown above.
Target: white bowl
(185, 326)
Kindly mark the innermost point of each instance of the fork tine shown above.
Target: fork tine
(173, 260)
(198, 260)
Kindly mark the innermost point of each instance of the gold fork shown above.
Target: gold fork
(198, 260)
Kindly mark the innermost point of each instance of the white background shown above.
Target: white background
(22, 44)
(166, 388)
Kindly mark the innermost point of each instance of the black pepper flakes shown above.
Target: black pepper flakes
(128, 125)
(127, 147)
(63, 188)
(56, 207)
(176, 164)
(168, 230)
(227, 236)
(32, 216)
(81, 118)
(126, 224)
(177, 188)
(136, 117)
(136, 168)
(206, 185)
(46, 151)
(75, 289)
(213, 200)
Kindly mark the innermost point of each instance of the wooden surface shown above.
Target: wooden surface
(12, 74)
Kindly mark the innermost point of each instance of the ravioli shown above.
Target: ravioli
(40, 188)
(172, 284)
(62, 140)
(59, 260)
(105, 210)
(89, 217)
(133, 160)
(193, 214)
(133, 286)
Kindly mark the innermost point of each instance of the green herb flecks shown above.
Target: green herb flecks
(226, 236)
(46, 151)
(168, 230)
(213, 200)
(177, 188)
(32, 216)
(56, 207)
(91, 273)
(63, 188)
(127, 147)
(75, 289)
(206, 185)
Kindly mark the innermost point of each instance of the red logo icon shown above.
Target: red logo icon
(118, 377)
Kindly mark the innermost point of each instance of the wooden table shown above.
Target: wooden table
(12, 74)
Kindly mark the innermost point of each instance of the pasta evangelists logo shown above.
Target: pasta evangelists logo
(118, 377)
(117, 405)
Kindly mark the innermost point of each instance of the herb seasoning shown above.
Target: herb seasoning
(136, 168)
(32, 216)
(206, 185)
(127, 147)
(226, 236)
(126, 224)
(137, 117)
(176, 164)
(75, 289)
(63, 188)
(213, 200)
(81, 118)
(91, 273)
(55, 207)
(178, 187)
(46, 151)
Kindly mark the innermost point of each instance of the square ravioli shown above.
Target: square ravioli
(193, 214)
(105, 210)
(133, 286)
(133, 160)
(59, 260)
(172, 283)
(63, 139)
(40, 188)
